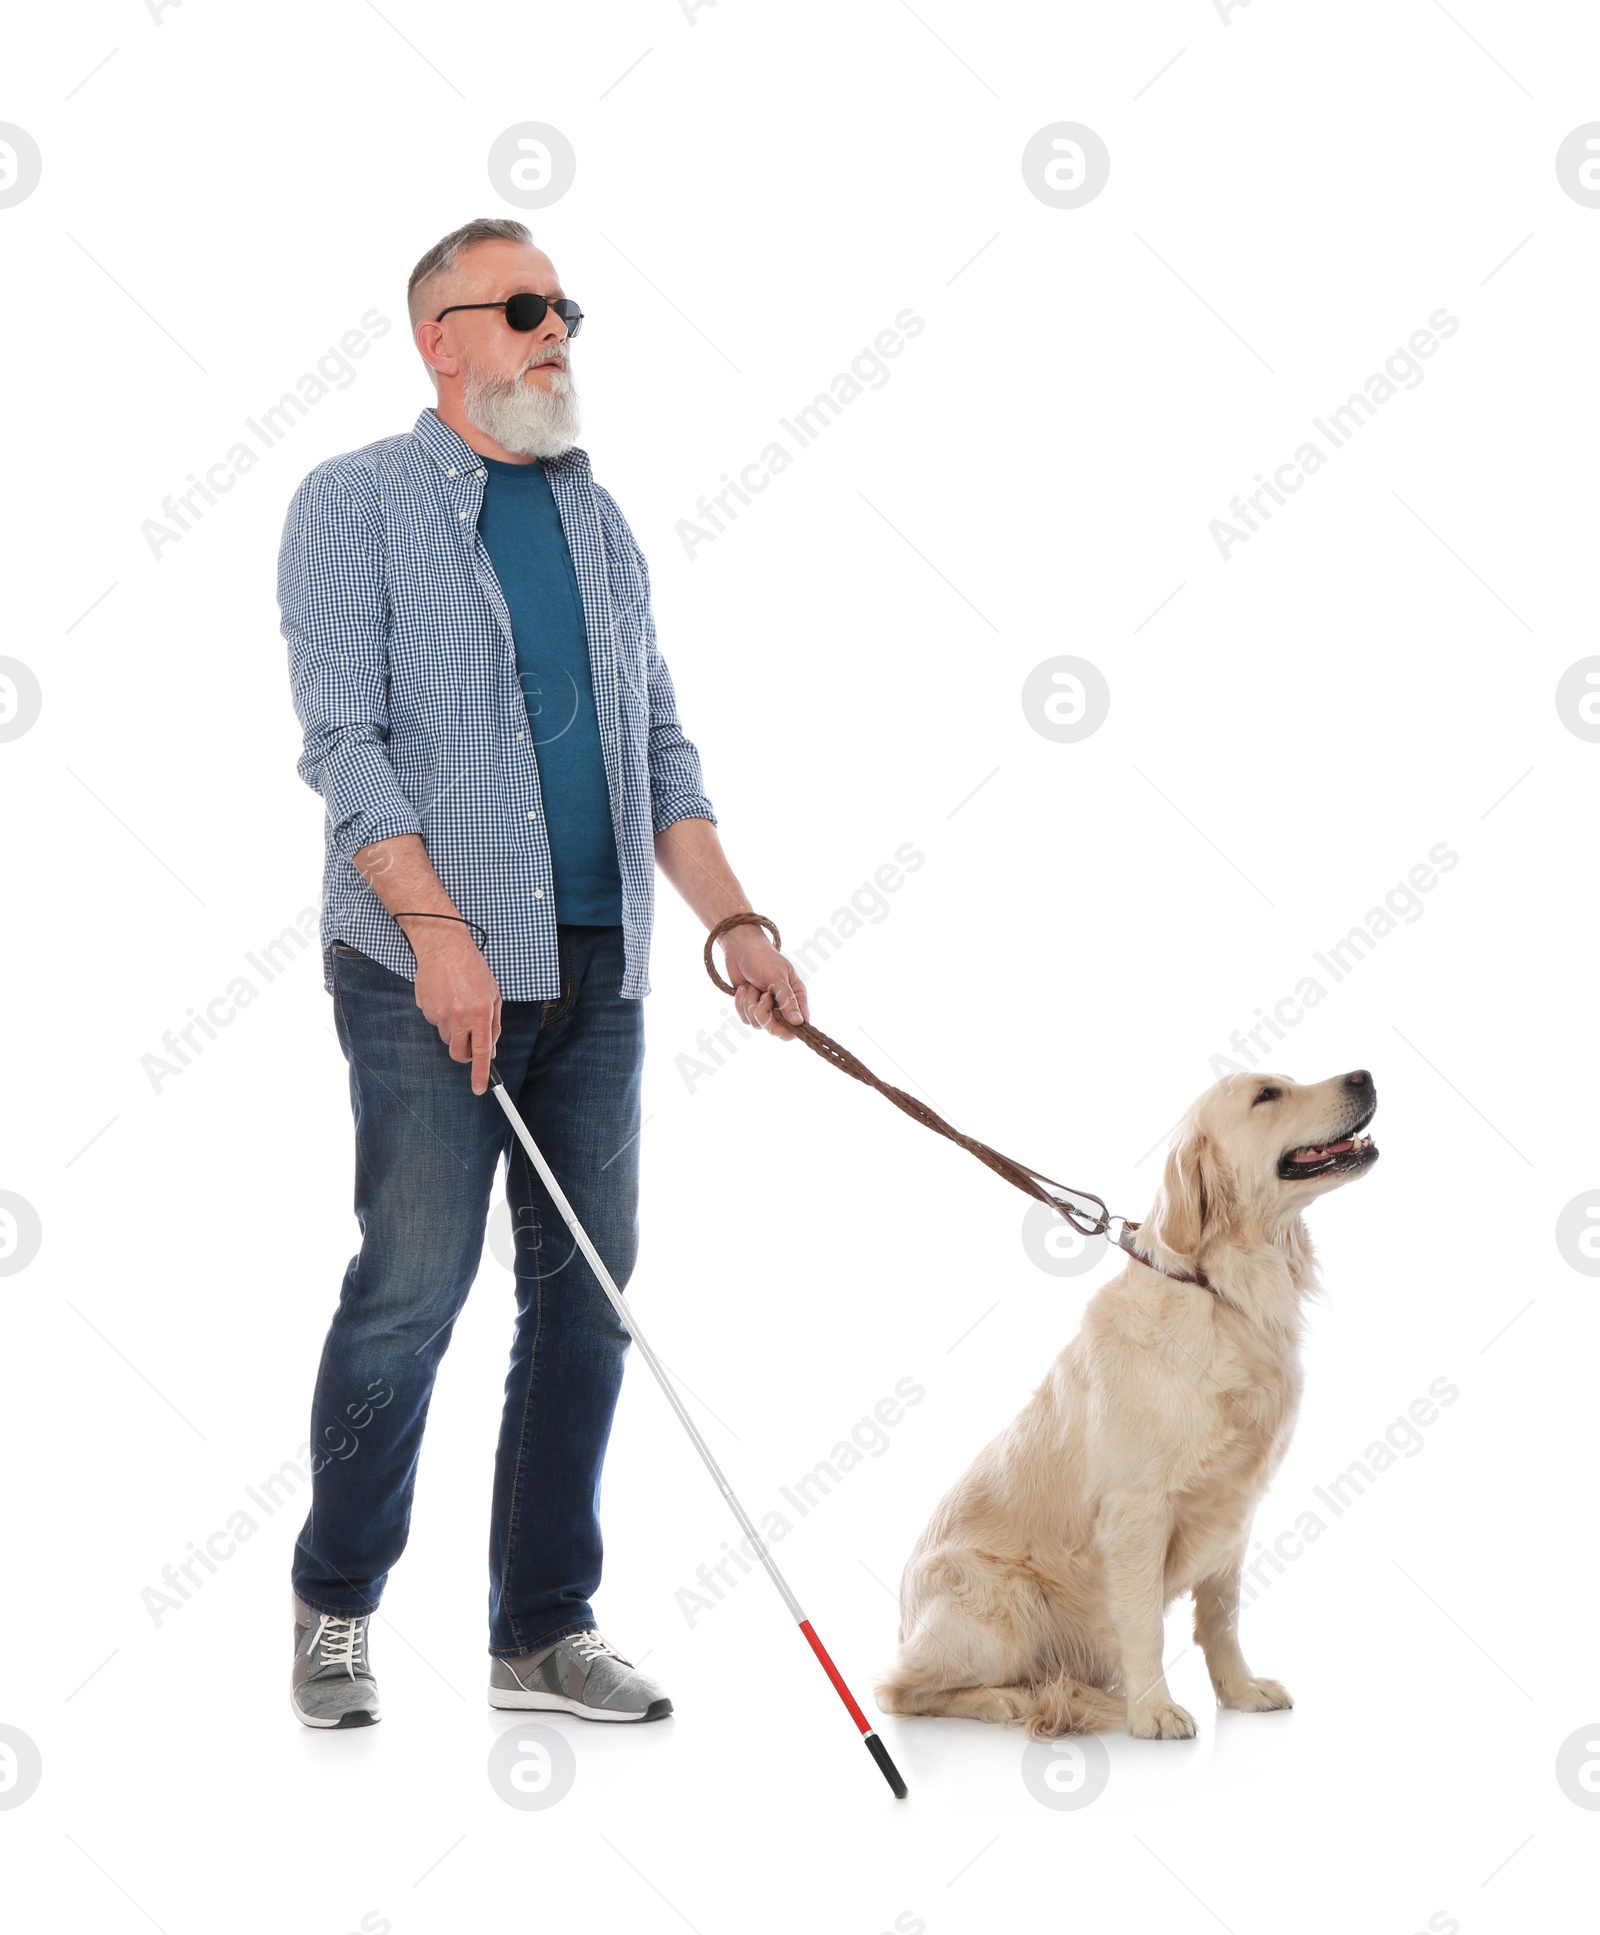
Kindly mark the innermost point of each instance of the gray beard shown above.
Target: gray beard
(523, 417)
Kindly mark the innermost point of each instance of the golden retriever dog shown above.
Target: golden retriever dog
(1037, 1591)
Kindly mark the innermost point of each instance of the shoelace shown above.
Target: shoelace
(590, 1646)
(342, 1642)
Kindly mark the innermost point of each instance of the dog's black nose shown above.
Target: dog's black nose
(1358, 1078)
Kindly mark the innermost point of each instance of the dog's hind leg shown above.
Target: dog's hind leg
(991, 1655)
(1003, 1705)
(957, 1641)
(1046, 1708)
(942, 1659)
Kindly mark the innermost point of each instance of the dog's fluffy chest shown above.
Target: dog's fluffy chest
(1186, 1402)
(1256, 1396)
(1226, 1468)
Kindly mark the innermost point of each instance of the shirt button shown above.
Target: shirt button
(449, 473)
(538, 893)
(483, 473)
(530, 810)
(520, 735)
(463, 517)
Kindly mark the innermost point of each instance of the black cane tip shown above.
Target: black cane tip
(886, 1766)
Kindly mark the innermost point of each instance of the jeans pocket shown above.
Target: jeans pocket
(348, 952)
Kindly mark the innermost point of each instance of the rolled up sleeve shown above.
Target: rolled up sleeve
(334, 614)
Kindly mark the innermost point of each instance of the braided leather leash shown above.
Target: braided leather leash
(1018, 1174)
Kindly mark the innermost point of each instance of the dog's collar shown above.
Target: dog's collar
(1125, 1242)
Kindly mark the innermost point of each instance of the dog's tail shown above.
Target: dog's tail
(1062, 1704)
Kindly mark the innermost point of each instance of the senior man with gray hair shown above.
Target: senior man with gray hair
(494, 732)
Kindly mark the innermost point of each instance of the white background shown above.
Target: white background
(759, 191)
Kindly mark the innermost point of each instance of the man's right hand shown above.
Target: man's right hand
(458, 993)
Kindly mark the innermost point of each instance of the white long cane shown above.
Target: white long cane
(875, 1746)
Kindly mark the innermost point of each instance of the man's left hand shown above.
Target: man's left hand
(767, 992)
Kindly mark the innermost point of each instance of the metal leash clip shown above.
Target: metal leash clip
(1071, 1213)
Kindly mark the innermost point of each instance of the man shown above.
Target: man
(488, 719)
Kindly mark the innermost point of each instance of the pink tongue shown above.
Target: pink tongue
(1321, 1155)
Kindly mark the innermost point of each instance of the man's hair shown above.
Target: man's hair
(444, 252)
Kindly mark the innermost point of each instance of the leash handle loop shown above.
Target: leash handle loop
(737, 920)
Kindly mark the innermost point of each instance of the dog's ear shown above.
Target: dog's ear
(1196, 1200)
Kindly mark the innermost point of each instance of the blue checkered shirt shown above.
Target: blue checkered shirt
(404, 676)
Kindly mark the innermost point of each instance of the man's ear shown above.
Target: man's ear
(1196, 1199)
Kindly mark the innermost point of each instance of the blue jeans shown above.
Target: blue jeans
(427, 1154)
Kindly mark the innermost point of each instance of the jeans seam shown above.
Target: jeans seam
(338, 1002)
(527, 1399)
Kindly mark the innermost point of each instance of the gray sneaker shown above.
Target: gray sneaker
(331, 1684)
(582, 1674)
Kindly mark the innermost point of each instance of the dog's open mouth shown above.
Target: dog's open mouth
(1353, 1151)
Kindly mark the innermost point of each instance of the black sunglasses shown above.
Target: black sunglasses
(526, 311)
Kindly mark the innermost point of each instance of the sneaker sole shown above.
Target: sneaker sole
(504, 1700)
(356, 1717)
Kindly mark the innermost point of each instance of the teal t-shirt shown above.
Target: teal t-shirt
(521, 530)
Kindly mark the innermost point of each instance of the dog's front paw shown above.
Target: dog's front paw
(1161, 1720)
(1255, 1696)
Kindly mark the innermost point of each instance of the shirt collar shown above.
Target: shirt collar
(457, 458)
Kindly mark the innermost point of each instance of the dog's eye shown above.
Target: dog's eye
(1268, 1095)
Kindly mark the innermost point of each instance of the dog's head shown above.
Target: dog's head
(1253, 1151)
